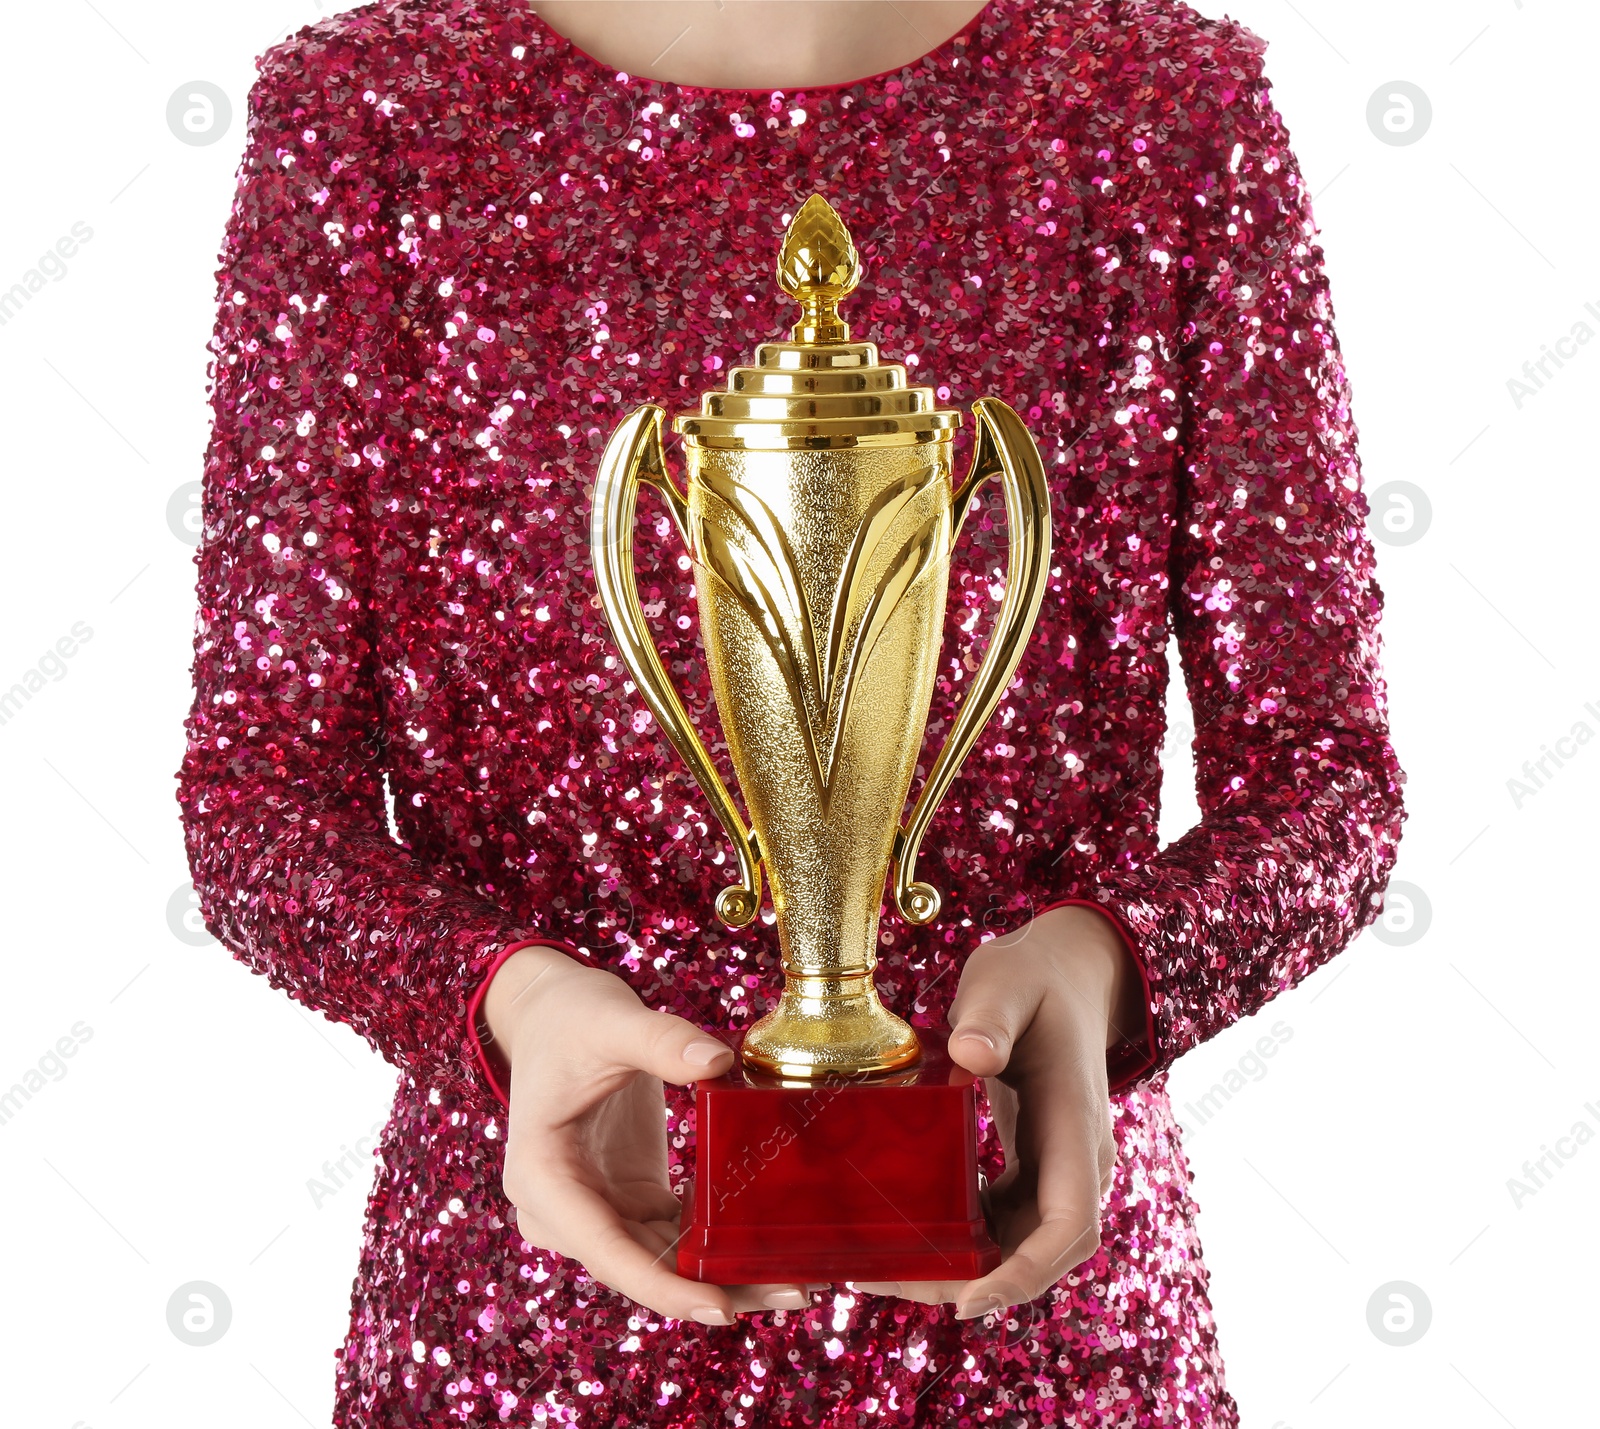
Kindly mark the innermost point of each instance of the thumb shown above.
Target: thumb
(991, 1010)
(665, 1046)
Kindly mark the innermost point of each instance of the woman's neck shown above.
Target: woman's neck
(757, 44)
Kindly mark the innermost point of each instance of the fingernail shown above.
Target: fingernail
(786, 1300)
(703, 1051)
(983, 1037)
(710, 1315)
(978, 1309)
(877, 1287)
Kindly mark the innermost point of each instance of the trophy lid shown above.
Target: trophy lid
(819, 389)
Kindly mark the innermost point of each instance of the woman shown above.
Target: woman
(470, 237)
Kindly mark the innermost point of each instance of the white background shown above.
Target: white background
(1377, 1143)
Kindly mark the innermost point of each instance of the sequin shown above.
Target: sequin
(460, 253)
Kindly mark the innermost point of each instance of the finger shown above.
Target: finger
(921, 1292)
(661, 1237)
(991, 1010)
(664, 1046)
(1053, 1249)
(748, 1298)
(599, 1240)
(1065, 1139)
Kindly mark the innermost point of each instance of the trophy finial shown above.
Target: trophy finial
(818, 266)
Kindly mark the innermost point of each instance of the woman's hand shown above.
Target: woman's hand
(586, 1145)
(1034, 1015)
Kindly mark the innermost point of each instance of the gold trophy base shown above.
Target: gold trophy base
(827, 1025)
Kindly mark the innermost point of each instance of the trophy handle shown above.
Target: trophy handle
(1002, 448)
(633, 456)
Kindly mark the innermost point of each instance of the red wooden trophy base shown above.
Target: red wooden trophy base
(852, 1179)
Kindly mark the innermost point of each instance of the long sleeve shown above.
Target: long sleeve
(281, 786)
(1272, 598)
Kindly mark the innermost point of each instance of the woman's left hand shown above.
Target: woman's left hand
(1034, 1015)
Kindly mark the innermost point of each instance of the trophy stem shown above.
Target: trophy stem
(829, 1023)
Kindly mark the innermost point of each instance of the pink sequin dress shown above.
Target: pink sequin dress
(462, 250)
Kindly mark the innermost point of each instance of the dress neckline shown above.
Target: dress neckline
(610, 75)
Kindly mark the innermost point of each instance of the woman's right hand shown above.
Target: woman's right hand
(586, 1144)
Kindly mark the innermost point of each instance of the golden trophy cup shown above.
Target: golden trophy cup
(820, 514)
